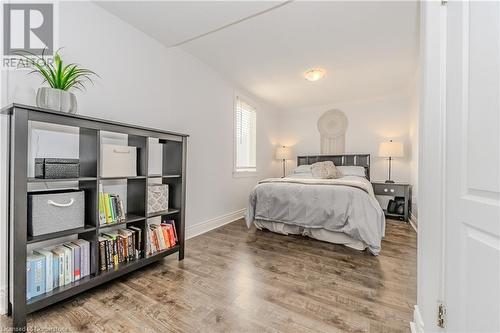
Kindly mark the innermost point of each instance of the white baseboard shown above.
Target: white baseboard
(414, 222)
(417, 325)
(202, 227)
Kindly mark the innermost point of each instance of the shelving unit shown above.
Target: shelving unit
(173, 174)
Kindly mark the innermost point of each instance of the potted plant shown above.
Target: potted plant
(61, 78)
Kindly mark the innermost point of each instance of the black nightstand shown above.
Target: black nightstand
(395, 190)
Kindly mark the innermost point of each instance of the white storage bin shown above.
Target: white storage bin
(155, 158)
(118, 161)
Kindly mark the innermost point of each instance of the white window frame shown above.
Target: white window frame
(244, 172)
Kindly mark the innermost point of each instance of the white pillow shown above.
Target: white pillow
(352, 171)
(325, 170)
(302, 169)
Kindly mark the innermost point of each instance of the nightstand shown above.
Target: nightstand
(402, 190)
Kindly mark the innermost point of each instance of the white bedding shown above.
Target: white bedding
(344, 205)
(316, 233)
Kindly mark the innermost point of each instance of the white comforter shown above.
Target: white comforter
(343, 205)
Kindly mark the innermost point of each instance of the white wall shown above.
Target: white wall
(413, 136)
(431, 200)
(370, 122)
(144, 83)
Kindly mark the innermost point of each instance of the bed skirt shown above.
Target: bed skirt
(316, 233)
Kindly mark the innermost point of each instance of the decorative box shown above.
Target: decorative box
(157, 198)
(51, 168)
(118, 161)
(55, 211)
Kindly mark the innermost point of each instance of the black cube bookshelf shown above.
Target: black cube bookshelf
(173, 174)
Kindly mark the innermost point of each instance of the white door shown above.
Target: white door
(472, 209)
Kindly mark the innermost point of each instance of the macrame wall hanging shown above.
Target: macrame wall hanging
(332, 126)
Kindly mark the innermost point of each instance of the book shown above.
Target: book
(102, 212)
(159, 236)
(55, 271)
(59, 258)
(112, 208)
(75, 259)
(122, 208)
(128, 234)
(172, 223)
(49, 280)
(133, 244)
(103, 261)
(112, 203)
(169, 231)
(84, 256)
(165, 234)
(112, 236)
(122, 248)
(164, 241)
(29, 282)
(147, 248)
(109, 253)
(138, 241)
(35, 270)
(120, 214)
(125, 235)
(68, 265)
(68, 269)
(155, 246)
(153, 240)
(107, 209)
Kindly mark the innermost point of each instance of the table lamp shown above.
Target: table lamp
(390, 150)
(283, 153)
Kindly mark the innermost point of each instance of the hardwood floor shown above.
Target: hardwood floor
(239, 280)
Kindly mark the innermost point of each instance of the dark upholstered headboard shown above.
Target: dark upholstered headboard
(347, 160)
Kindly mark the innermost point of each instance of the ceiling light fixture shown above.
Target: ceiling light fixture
(314, 74)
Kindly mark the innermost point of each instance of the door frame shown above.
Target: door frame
(432, 164)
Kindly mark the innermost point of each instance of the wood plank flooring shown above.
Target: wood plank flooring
(239, 280)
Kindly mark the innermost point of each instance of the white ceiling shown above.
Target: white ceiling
(174, 22)
(369, 49)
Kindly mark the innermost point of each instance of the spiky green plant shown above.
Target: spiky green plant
(56, 73)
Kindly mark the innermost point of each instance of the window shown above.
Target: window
(245, 137)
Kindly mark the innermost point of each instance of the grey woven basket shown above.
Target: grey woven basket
(51, 168)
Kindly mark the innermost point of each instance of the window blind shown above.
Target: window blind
(245, 136)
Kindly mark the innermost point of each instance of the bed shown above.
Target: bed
(340, 211)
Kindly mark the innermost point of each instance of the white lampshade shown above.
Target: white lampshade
(283, 153)
(391, 149)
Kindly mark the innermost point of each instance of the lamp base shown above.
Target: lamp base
(389, 181)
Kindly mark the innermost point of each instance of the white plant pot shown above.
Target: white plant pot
(56, 99)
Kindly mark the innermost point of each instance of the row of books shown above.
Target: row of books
(111, 208)
(119, 246)
(161, 236)
(57, 266)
